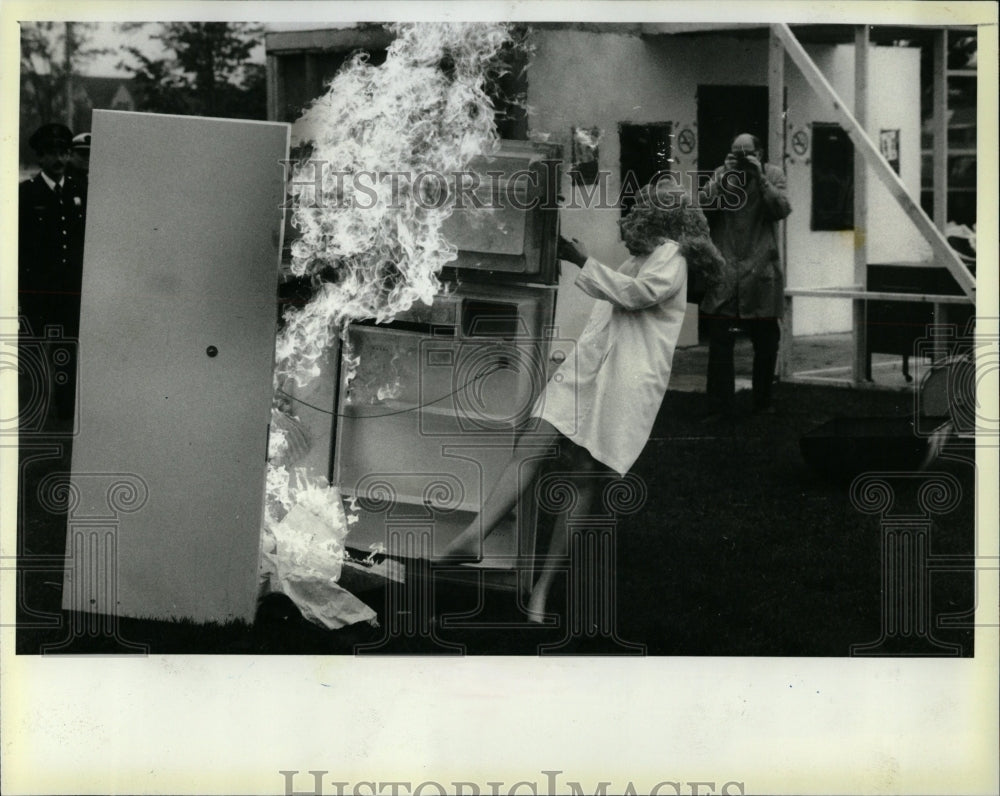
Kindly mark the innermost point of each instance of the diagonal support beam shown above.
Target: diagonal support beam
(860, 361)
(943, 253)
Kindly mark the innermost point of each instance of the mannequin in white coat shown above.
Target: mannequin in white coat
(600, 407)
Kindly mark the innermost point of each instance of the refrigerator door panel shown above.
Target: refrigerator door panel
(176, 361)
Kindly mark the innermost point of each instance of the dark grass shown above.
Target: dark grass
(762, 555)
(739, 549)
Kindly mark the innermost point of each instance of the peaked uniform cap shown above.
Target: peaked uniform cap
(51, 135)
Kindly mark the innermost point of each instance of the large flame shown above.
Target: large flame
(425, 110)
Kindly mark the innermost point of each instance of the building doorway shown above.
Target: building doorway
(723, 113)
(645, 152)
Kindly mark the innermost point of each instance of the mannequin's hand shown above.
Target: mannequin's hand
(572, 251)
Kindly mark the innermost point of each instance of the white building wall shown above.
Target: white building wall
(826, 259)
(587, 79)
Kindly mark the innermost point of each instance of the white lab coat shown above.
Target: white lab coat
(606, 397)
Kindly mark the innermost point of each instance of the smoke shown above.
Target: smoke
(590, 138)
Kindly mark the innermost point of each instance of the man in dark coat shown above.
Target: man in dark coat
(751, 199)
(51, 213)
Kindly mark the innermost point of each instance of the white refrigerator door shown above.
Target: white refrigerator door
(176, 355)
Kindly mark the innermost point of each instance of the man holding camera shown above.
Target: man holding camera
(750, 197)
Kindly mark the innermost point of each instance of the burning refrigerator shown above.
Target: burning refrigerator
(427, 418)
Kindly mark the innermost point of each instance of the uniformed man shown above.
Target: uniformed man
(51, 213)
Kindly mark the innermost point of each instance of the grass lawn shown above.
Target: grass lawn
(738, 549)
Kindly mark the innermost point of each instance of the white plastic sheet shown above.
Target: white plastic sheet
(302, 538)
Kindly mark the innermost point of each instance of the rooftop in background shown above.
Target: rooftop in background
(111, 93)
(288, 35)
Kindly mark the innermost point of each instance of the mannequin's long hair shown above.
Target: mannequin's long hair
(657, 218)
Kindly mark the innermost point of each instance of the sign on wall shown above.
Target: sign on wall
(888, 143)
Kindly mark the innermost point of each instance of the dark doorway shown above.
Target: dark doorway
(832, 178)
(645, 151)
(723, 113)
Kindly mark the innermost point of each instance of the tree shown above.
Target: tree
(52, 55)
(208, 71)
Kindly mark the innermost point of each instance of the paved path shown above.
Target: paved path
(826, 356)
